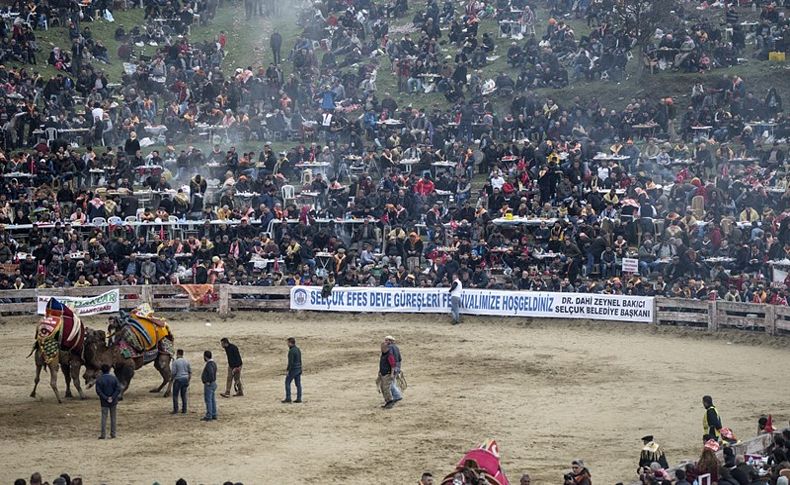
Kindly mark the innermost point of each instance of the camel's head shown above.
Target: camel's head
(90, 376)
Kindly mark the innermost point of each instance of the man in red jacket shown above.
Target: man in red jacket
(425, 186)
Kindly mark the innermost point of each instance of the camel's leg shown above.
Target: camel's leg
(75, 377)
(53, 380)
(162, 364)
(124, 375)
(66, 368)
(39, 366)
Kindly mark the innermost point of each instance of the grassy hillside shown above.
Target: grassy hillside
(248, 45)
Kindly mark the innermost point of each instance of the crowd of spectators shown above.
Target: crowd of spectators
(66, 479)
(769, 467)
(372, 192)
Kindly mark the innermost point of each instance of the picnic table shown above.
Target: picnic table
(316, 167)
(526, 221)
(408, 163)
(610, 157)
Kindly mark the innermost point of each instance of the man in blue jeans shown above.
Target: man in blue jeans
(293, 372)
(209, 378)
(182, 374)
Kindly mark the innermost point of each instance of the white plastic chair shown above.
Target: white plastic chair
(174, 228)
(288, 192)
(99, 221)
(114, 221)
(130, 219)
(52, 134)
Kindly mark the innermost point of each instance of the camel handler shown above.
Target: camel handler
(399, 383)
(386, 376)
(234, 368)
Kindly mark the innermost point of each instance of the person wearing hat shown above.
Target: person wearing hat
(651, 453)
(386, 374)
(397, 395)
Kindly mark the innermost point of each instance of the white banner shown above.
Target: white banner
(108, 302)
(476, 302)
(630, 265)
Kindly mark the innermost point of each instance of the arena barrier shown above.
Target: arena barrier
(226, 299)
(537, 304)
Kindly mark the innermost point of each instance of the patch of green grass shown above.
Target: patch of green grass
(248, 45)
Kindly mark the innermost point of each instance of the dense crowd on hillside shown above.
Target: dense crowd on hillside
(375, 192)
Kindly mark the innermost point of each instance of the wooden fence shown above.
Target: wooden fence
(696, 314)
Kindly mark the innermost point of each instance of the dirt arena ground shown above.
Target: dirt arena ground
(547, 392)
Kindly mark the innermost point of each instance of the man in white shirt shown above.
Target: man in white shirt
(97, 112)
(603, 171)
(455, 299)
(497, 181)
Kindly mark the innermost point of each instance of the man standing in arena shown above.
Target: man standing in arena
(711, 423)
(234, 368)
(108, 388)
(209, 378)
(182, 374)
(293, 372)
(387, 365)
(397, 395)
(455, 299)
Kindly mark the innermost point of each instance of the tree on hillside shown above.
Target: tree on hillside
(641, 18)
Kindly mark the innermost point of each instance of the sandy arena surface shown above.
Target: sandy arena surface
(547, 393)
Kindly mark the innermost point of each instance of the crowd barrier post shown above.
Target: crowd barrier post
(713, 320)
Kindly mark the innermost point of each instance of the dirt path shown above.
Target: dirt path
(547, 393)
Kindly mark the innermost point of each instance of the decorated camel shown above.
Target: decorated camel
(135, 339)
(60, 340)
(479, 466)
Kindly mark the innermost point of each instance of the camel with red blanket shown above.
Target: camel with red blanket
(60, 339)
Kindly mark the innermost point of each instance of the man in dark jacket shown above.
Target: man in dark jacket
(276, 42)
(234, 368)
(108, 388)
(712, 421)
(209, 378)
(387, 366)
(294, 371)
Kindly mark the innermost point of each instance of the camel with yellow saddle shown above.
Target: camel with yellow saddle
(134, 339)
